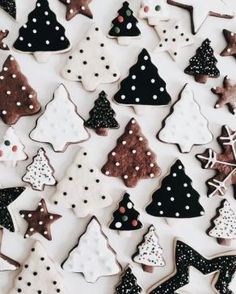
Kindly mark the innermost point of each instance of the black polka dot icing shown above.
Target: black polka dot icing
(42, 32)
(125, 218)
(125, 24)
(143, 86)
(9, 6)
(185, 256)
(7, 196)
(128, 283)
(176, 197)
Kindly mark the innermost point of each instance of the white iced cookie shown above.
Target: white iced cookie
(185, 125)
(39, 274)
(93, 256)
(60, 124)
(39, 173)
(91, 63)
(11, 148)
(83, 187)
(173, 37)
(154, 11)
(150, 253)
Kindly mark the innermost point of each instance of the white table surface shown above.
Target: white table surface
(45, 78)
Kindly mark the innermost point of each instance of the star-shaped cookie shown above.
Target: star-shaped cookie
(227, 95)
(3, 35)
(39, 220)
(201, 9)
(230, 49)
(74, 7)
(172, 38)
(7, 196)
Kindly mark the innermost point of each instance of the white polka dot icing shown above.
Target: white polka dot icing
(185, 117)
(90, 193)
(93, 256)
(89, 66)
(65, 131)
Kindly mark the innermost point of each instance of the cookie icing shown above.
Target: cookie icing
(93, 256)
(9, 6)
(154, 11)
(128, 283)
(185, 117)
(60, 124)
(92, 63)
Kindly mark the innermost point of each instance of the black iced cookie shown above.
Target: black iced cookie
(9, 6)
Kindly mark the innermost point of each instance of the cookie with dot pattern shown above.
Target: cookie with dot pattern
(9, 6)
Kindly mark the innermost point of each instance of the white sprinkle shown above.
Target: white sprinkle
(143, 67)
(23, 88)
(1, 77)
(137, 168)
(148, 153)
(18, 103)
(107, 172)
(29, 45)
(35, 31)
(21, 38)
(4, 112)
(48, 22)
(62, 38)
(5, 68)
(174, 175)
(125, 177)
(152, 175)
(159, 203)
(134, 151)
(122, 97)
(133, 77)
(123, 142)
(8, 92)
(137, 99)
(161, 212)
(113, 153)
(140, 138)
(177, 214)
(152, 81)
(117, 164)
(13, 76)
(172, 199)
(47, 42)
(168, 188)
(187, 207)
(34, 19)
(133, 88)
(130, 132)
(57, 28)
(46, 12)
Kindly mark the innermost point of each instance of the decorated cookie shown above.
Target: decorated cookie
(143, 86)
(176, 198)
(3, 35)
(7, 263)
(185, 116)
(17, 97)
(186, 257)
(7, 196)
(223, 163)
(199, 11)
(39, 274)
(223, 226)
(173, 37)
(92, 256)
(9, 6)
(102, 116)
(40, 173)
(91, 63)
(74, 7)
(128, 283)
(11, 148)
(132, 159)
(124, 26)
(154, 11)
(60, 125)
(150, 253)
(230, 49)
(42, 35)
(226, 94)
(125, 217)
(83, 187)
(39, 220)
(203, 65)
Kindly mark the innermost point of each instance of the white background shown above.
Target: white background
(46, 77)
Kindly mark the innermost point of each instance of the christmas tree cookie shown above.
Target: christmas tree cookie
(143, 86)
(9, 6)
(83, 187)
(40, 173)
(11, 148)
(102, 116)
(92, 256)
(60, 124)
(42, 35)
(223, 226)
(128, 283)
(173, 38)
(92, 63)
(176, 198)
(154, 11)
(185, 125)
(124, 26)
(203, 65)
(6, 263)
(3, 35)
(39, 274)
(18, 98)
(126, 217)
(150, 253)
(132, 159)
(74, 7)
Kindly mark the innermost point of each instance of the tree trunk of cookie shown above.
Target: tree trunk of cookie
(201, 79)
(125, 234)
(42, 57)
(224, 242)
(102, 131)
(147, 268)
